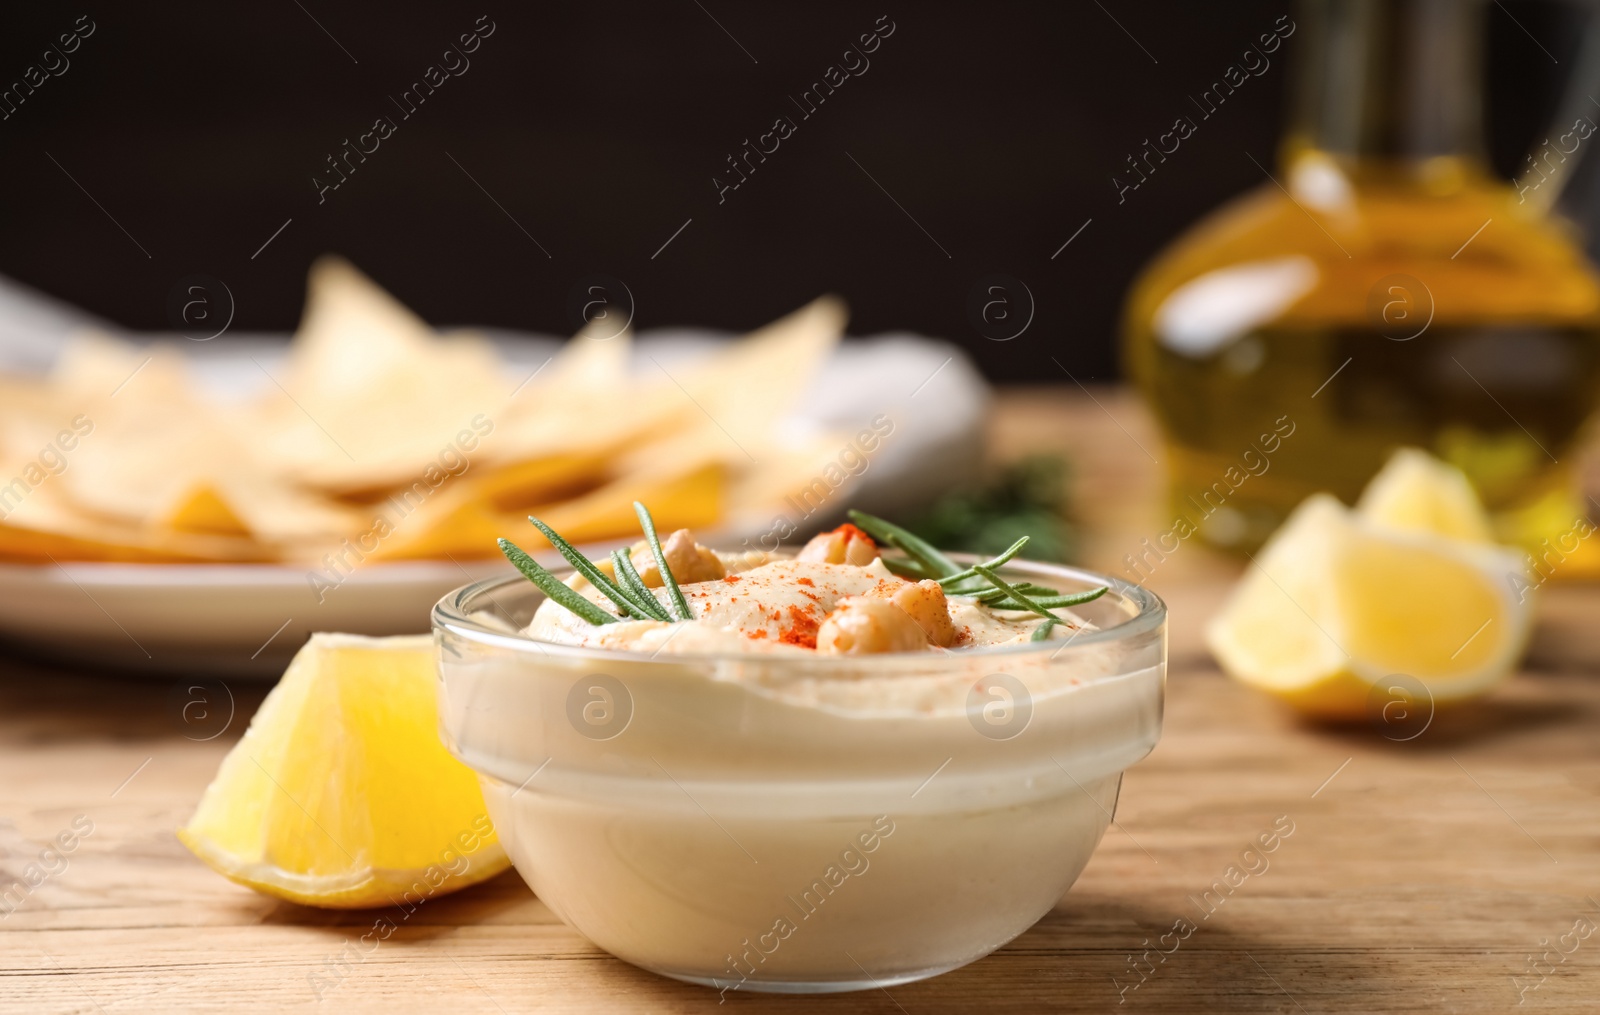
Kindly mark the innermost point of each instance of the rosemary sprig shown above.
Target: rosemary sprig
(627, 589)
(907, 567)
(628, 577)
(936, 563)
(630, 604)
(680, 605)
(1075, 599)
(1013, 594)
(923, 561)
(960, 577)
(992, 595)
(553, 587)
(1042, 632)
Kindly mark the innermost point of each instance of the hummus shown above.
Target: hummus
(835, 597)
(827, 778)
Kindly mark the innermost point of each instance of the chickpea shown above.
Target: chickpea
(690, 562)
(860, 625)
(925, 603)
(844, 545)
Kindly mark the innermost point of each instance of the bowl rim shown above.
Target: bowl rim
(450, 614)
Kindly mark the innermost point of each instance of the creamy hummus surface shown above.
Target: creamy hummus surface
(835, 597)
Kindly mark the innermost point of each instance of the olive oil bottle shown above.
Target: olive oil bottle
(1380, 288)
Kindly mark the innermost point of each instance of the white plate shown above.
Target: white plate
(248, 619)
(234, 619)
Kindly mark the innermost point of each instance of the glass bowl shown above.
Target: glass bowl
(825, 823)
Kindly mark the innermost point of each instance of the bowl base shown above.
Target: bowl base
(839, 986)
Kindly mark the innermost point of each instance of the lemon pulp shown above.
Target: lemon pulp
(340, 793)
(1410, 584)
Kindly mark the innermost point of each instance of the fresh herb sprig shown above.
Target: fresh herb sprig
(558, 591)
(961, 577)
(628, 576)
(993, 596)
(631, 604)
(1013, 594)
(627, 590)
(929, 562)
(680, 605)
(979, 581)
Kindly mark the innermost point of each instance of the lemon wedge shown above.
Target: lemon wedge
(1338, 601)
(340, 793)
(1416, 492)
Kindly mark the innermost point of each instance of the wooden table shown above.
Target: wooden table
(1419, 875)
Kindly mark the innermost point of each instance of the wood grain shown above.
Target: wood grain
(1420, 876)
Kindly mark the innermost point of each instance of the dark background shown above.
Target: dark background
(599, 126)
